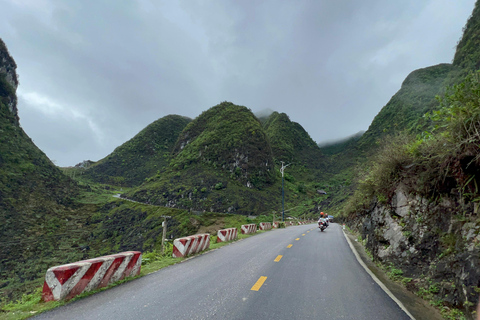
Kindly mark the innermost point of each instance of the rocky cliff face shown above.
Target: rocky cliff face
(435, 243)
(8, 79)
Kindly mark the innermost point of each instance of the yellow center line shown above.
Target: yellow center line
(303, 234)
(308, 231)
(297, 239)
(290, 245)
(259, 284)
(278, 258)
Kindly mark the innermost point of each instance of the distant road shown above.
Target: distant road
(296, 273)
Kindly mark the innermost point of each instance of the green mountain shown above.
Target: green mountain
(8, 81)
(403, 113)
(230, 137)
(290, 142)
(220, 162)
(415, 192)
(467, 55)
(142, 156)
(418, 92)
(36, 206)
(405, 109)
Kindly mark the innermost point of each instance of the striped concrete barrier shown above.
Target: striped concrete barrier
(228, 234)
(265, 225)
(185, 246)
(275, 225)
(68, 280)
(249, 228)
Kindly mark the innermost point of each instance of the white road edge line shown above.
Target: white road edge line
(374, 277)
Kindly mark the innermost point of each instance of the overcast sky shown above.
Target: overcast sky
(95, 73)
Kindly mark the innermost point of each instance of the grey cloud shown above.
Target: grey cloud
(330, 65)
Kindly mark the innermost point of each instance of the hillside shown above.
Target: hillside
(415, 204)
(142, 156)
(290, 142)
(230, 137)
(36, 199)
(467, 55)
(404, 113)
(220, 162)
(405, 109)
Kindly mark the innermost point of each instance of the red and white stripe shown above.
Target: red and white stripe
(275, 224)
(183, 247)
(67, 281)
(265, 225)
(228, 234)
(249, 228)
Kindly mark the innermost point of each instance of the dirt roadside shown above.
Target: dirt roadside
(419, 308)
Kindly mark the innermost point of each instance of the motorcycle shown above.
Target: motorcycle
(322, 225)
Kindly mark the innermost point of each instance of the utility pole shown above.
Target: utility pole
(164, 232)
(282, 169)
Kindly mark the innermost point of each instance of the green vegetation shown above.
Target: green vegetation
(291, 143)
(31, 303)
(433, 163)
(36, 207)
(223, 162)
(467, 55)
(230, 138)
(141, 157)
(405, 109)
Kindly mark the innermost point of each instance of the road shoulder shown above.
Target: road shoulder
(417, 307)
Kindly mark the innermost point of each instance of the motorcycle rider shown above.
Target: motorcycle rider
(323, 219)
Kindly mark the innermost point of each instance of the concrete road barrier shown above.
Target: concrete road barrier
(275, 225)
(265, 225)
(228, 234)
(67, 281)
(183, 247)
(249, 228)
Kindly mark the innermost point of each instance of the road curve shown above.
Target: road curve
(295, 273)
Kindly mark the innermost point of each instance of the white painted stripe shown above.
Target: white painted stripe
(201, 240)
(98, 277)
(182, 248)
(121, 268)
(136, 268)
(192, 248)
(221, 236)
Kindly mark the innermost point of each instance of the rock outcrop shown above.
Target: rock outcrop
(9, 79)
(435, 243)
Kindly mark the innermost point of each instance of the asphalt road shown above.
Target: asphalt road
(317, 277)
